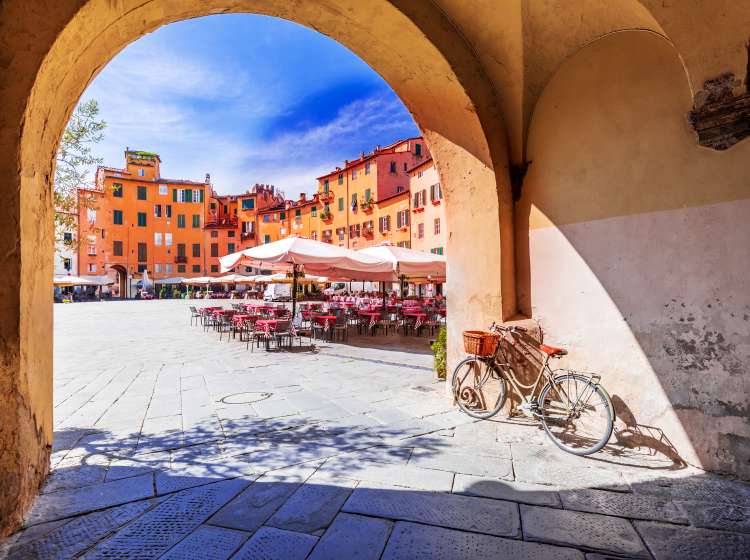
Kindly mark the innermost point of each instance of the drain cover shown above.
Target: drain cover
(245, 398)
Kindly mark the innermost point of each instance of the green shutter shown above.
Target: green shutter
(174, 195)
(201, 191)
(367, 195)
(188, 195)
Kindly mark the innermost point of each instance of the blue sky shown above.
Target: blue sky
(249, 99)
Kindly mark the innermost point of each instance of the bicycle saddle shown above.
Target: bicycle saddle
(552, 351)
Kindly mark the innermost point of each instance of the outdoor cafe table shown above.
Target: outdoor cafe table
(373, 316)
(325, 321)
(268, 326)
(418, 315)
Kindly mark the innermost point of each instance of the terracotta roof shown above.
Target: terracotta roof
(387, 198)
(359, 161)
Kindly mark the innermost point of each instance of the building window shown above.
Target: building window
(402, 219)
(326, 187)
(180, 249)
(267, 218)
(141, 192)
(418, 149)
(298, 212)
(248, 204)
(342, 233)
(437, 226)
(341, 204)
(141, 172)
(367, 168)
(68, 237)
(354, 201)
(393, 167)
(117, 248)
(214, 268)
(437, 251)
(406, 166)
(142, 252)
(436, 192)
(384, 224)
(169, 211)
(117, 190)
(196, 268)
(341, 178)
(231, 232)
(419, 198)
(354, 174)
(196, 220)
(67, 264)
(226, 209)
(168, 239)
(180, 268)
(214, 234)
(163, 190)
(196, 250)
(142, 268)
(266, 238)
(157, 239)
(92, 267)
(314, 235)
(180, 220)
(230, 247)
(400, 188)
(198, 195)
(168, 268)
(367, 195)
(404, 244)
(314, 211)
(283, 215)
(419, 174)
(141, 219)
(157, 268)
(420, 231)
(91, 215)
(157, 210)
(117, 217)
(214, 249)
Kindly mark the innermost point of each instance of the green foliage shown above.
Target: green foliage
(163, 293)
(73, 164)
(440, 352)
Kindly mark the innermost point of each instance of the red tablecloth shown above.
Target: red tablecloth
(240, 318)
(373, 315)
(325, 320)
(268, 325)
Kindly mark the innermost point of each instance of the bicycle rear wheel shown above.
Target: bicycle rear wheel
(478, 387)
(577, 414)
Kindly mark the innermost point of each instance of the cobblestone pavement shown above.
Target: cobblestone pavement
(172, 444)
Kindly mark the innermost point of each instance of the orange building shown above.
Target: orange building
(260, 197)
(394, 218)
(140, 221)
(427, 208)
(350, 194)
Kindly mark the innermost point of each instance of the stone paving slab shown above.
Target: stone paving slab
(160, 529)
(722, 516)
(68, 503)
(673, 542)
(582, 530)
(479, 515)
(78, 534)
(312, 507)
(410, 541)
(408, 477)
(521, 492)
(479, 465)
(353, 536)
(207, 543)
(620, 504)
(269, 543)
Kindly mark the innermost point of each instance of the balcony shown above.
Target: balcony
(247, 235)
(435, 201)
(326, 217)
(367, 206)
(228, 223)
(325, 196)
(180, 259)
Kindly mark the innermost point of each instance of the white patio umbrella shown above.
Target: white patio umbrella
(63, 281)
(235, 279)
(314, 256)
(170, 281)
(200, 280)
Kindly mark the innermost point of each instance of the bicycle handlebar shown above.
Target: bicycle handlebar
(511, 329)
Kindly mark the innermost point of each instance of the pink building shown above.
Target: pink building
(428, 229)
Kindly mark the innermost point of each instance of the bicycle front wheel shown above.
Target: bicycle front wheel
(478, 387)
(577, 414)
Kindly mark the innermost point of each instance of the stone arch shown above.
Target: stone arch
(617, 232)
(411, 44)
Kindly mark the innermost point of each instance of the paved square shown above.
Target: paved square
(172, 444)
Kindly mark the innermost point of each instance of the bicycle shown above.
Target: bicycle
(574, 423)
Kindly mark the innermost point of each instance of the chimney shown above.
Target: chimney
(208, 178)
(302, 197)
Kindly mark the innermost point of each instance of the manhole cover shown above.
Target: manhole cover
(245, 398)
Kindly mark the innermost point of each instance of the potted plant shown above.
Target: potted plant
(439, 352)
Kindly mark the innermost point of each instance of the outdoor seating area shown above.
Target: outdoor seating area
(272, 326)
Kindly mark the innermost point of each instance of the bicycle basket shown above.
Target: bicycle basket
(481, 343)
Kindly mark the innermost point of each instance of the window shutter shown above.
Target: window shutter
(188, 195)
(201, 195)
(174, 195)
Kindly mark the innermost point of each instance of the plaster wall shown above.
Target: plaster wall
(633, 248)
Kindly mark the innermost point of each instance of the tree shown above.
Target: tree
(74, 161)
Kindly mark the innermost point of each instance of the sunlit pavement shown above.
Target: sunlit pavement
(172, 444)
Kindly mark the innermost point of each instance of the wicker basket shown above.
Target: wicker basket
(481, 343)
